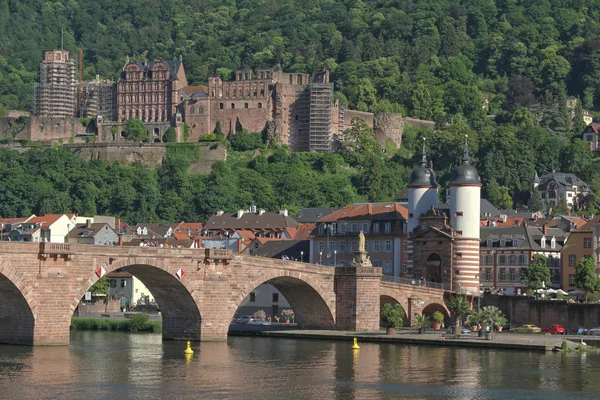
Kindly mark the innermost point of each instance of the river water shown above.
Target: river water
(105, 365)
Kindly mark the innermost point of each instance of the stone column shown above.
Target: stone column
(415, 307)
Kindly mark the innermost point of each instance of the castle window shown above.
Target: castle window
(299, 79)
(259, 105)
(221, 106)
(291, 79)
(232, 106)
(245, 105)
(192, 110)
(262, 93)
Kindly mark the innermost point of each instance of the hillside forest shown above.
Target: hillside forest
(497, 71)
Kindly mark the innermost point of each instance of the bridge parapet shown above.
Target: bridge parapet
(218, 255)
(56, 250)
(416, 283)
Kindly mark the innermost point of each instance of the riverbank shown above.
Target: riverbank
(135, 323)
(503, 341)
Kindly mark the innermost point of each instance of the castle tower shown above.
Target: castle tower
(465, 197)
(422, 195)
(56, 93)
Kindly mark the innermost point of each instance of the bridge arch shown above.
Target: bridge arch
(432, 307)
(17, 309)
(313, 307)
(179, 303)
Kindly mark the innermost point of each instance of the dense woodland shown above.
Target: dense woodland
(475, 67)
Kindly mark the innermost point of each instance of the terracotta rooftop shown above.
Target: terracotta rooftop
(249, 220)
(367, 211)
(47, 219)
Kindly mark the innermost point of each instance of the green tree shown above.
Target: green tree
(170, 135)
(499, 195)
(537, 274)
(100, 286)
(585, 276)
(493, 317)
(135, 130)
(459, 306)
(218, 129)
(535, 201)
(392, 315)
(578, 122)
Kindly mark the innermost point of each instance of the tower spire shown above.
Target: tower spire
(466, 157)
(424, 156)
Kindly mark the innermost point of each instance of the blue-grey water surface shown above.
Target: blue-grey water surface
(105, 365)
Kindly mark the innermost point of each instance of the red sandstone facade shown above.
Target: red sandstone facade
(198, 290)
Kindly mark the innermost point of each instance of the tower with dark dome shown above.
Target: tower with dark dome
(465, 197)
(422, 196)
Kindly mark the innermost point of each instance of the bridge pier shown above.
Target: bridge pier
(416, 305)
(357, 298)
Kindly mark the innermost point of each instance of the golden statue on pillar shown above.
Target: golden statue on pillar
(361, 242)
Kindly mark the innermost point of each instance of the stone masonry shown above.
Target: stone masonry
(197, 290)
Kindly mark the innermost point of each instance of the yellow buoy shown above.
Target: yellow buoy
(356, 346)
(188, 349)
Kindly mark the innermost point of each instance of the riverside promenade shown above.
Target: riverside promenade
(502, 340)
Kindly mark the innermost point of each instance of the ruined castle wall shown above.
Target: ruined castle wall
(389, 126)
(293, 110)
(43, 129)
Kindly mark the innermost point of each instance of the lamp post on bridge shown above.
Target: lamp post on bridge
(320, 257)
(335, 258)
(301, 256)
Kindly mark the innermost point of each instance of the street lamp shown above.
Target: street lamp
(301, 255)
(335, 258)
(320, 257)
(2, 233)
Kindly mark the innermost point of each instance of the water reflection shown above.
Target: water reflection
(111, 365)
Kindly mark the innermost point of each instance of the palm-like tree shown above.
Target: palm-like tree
(458, 306)
(493, 317)
(422, 322)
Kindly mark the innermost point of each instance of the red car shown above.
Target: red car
(554, 328)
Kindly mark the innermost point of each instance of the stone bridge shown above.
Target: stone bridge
(198, 290)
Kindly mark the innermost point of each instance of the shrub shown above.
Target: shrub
(138, 322)
(438, 317)
(392, 315)
(260, 315)
(564, 346)
(170, 135)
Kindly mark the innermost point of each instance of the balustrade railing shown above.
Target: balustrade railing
(416, 282)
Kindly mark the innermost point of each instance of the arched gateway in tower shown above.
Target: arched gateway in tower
(444, 241)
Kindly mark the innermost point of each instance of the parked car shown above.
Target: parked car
(554, 329)
(594, 331)
(508, 327)
(463, 331)
(258, 322)
(578, 331)
(244, 319)
(528, 329)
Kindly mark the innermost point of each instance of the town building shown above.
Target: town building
(582, 242)
(51, 228)
(100, 234)
(129, 290)
(591, 135)
(443, 245)
(266, 298)
(555, 186)
(256, 222)
(99, 100)
(384, 225)
(55, 95)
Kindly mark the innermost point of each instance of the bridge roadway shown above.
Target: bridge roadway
(198, 290)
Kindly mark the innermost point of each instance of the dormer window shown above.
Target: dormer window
(321, 229)
(502, 242)
(490, 243)
(515, 242)
(553, 243)
(423, 226)
(543, 242)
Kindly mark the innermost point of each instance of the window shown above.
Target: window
(123, 283)
(376, 263)
(232, 106)
(245, 105)
(515, 242)
(571, 280)
(113, 283)
(275, 297)
(423, 226)
(502, 260)
(522, 259)
(502, 242)
(333, 228)
(405, 246)
(331, 247)
(513, 275)
(405, 267)
(587, 243)
(353, 228)
(553, 243)
(502, 275)
(513, 259)
(354, 245)
(221, 106)
(260, 104)
(375, 227)
(488, 276)
(376, 245)
(252, 297)
(387, 266)
(543, 242)
(320, 246)
(388, 227)
(572, 260)
(522, 277)
(342, 228)
(321, 229)
(387, 247)
(343, 247)
(365, 228)
(489, 243)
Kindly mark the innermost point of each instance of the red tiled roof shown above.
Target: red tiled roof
(363, 210)
(304, 231)
(47, 219)
(191, 90)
